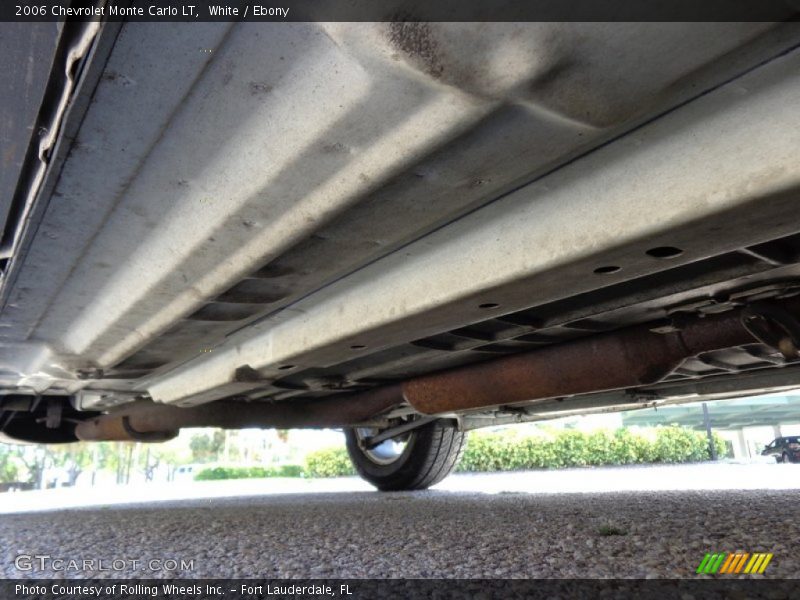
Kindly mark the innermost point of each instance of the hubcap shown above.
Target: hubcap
(384, 453)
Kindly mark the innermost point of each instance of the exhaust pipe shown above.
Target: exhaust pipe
(626, 358)
(147, 421)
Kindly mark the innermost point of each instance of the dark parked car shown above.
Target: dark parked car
(784, 449)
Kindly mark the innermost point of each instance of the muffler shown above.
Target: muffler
(624, 358)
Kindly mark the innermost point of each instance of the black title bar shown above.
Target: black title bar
(363, 589)
(399, 10)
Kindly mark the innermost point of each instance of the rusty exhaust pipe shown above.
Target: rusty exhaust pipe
(628, 357)
(147, 421)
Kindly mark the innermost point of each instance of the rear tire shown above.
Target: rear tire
(430, 454)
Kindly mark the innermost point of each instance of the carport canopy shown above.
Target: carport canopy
(758, 411)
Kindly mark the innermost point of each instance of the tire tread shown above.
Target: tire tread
(436, 450)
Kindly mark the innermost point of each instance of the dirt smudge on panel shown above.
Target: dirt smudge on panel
(416, 41)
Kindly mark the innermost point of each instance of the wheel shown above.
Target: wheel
(415, 461)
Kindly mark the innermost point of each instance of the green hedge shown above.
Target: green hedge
(231, 472)
(510, 450)
(329, 462)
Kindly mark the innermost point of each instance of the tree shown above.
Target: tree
(10, 464)
(207, 448)
(73, 458)
(35, 460)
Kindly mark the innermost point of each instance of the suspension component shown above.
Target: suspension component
(773, 325)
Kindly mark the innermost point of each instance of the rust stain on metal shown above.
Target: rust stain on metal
(146, 417)
(629, 357)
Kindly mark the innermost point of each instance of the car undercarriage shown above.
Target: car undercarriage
(407, 230)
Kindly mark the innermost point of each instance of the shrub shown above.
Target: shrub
(329, 462)
(291, 471)
(676, 444)
(213, 473)
(233, 472)
(508, 451)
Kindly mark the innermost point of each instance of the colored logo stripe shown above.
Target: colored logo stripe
(732, 563)
(727, 564)
(703, 563)
(737, 562)
(711, 563)
(756, 558)
(758, 563)
(740, 564)
(717, 563)
(765, 562)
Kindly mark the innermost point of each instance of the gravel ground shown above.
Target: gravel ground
(420, 534)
